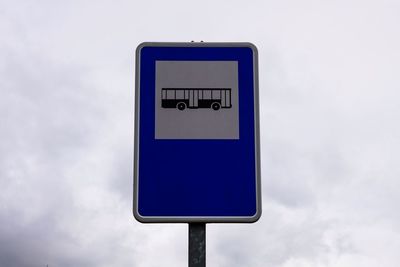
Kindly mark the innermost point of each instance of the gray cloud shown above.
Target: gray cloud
(330, 137)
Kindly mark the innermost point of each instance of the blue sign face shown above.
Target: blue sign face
(196, 133)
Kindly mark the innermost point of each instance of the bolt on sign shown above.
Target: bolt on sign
(197, 156)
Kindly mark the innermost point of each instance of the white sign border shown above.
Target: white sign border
(197, 219)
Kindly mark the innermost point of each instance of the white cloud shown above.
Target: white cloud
(330, 137)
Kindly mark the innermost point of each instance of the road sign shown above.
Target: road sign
(196, 133)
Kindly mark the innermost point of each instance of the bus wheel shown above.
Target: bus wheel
(181, 106)
(215, 106)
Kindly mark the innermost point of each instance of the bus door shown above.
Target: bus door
(223, 98)
(193, 98)
(227, 95)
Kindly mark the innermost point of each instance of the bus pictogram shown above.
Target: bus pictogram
(194, 98)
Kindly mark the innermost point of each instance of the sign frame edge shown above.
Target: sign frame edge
(197, 219)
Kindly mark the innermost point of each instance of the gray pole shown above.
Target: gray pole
(197, 245)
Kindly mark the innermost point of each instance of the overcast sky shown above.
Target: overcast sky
(330, 132)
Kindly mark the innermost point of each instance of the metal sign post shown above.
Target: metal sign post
(197, 244)
(197, 152)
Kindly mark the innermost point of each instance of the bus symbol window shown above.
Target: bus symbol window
(194, 98)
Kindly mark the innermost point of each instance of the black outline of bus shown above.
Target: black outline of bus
(194, 98)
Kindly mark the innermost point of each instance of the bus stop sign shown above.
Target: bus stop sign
(196, 133)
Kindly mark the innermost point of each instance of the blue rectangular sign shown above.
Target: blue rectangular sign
(196, 133)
